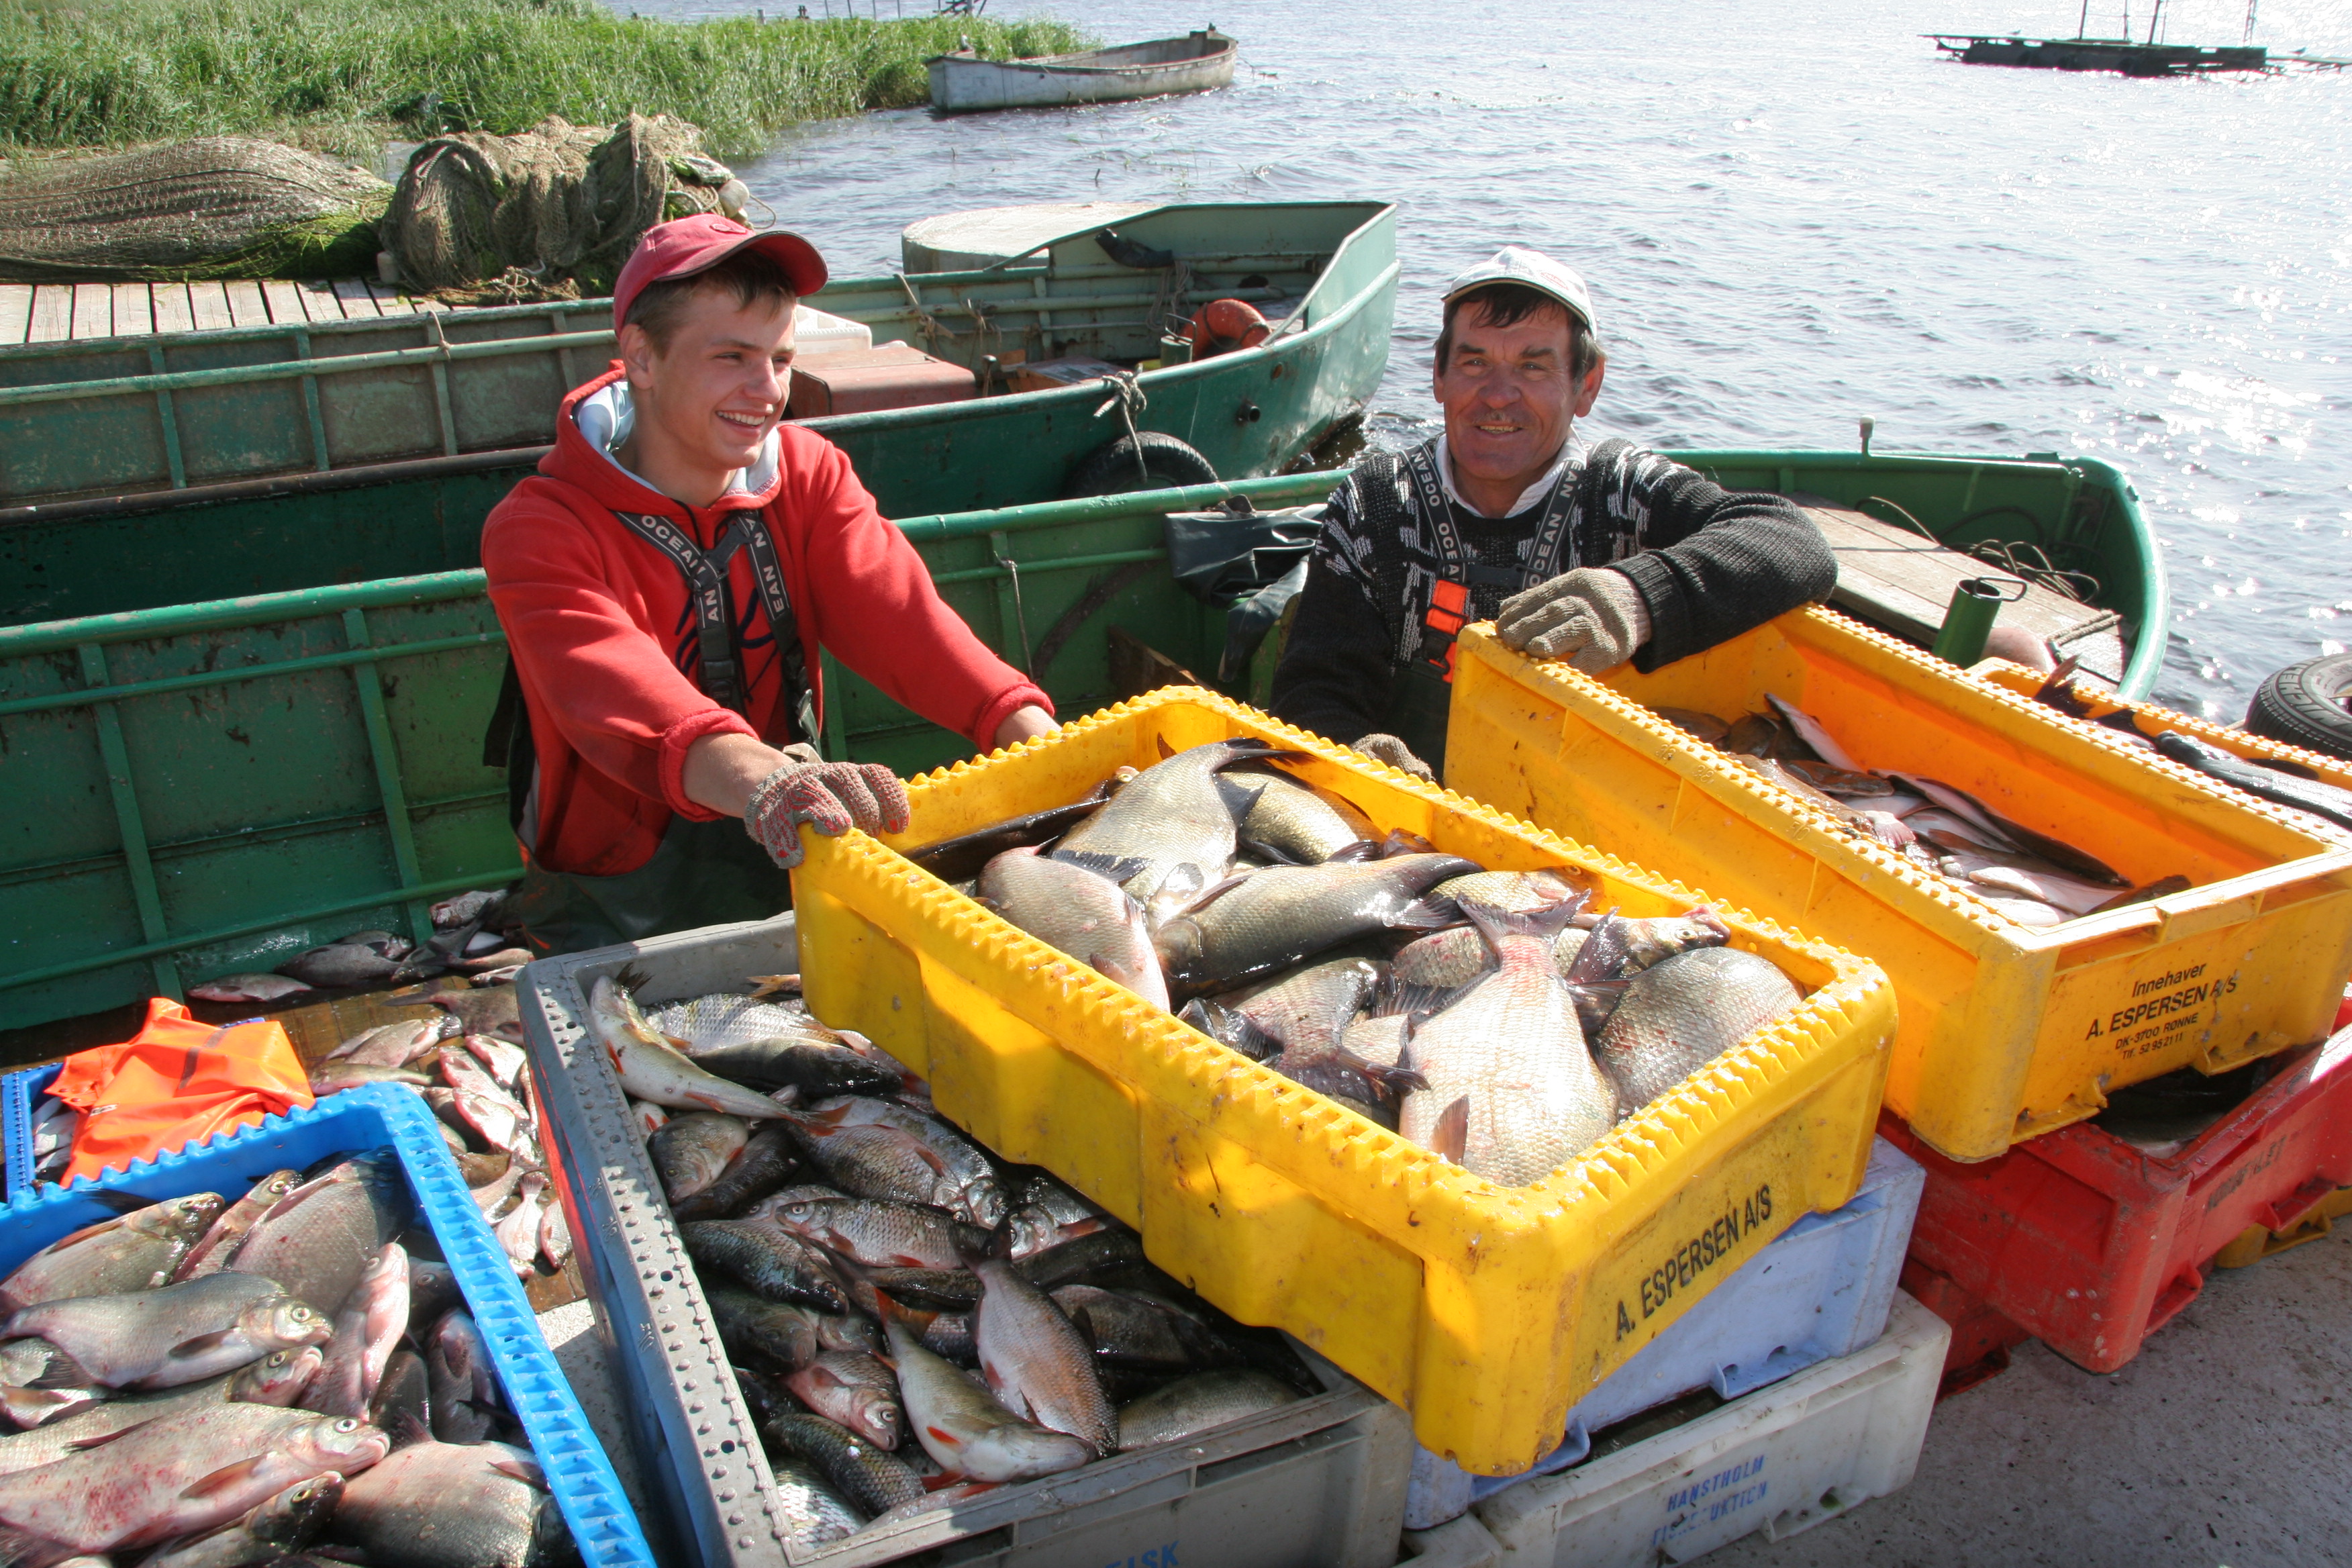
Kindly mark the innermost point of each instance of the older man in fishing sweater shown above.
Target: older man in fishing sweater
(1596, 555)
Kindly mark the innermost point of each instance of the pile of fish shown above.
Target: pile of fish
(465, 1061)
(911, 1321)
(1492, 1017)
(490, 1013)
(2028, 878)
(2274, 779)
(474, 935)
(204, 1383)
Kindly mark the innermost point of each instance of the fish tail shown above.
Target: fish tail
(1496, 923)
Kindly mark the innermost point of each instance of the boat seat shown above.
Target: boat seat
(1901, 583)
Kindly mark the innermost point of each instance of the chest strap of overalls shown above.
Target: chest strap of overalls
(720, 653)
(1454, 573)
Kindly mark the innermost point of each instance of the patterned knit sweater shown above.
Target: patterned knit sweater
(1709, 563)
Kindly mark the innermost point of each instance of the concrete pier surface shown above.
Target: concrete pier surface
(2224, 1444)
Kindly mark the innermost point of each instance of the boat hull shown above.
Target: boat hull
(87, 526)
(963, 85)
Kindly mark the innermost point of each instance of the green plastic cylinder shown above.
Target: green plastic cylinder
(1969, 618)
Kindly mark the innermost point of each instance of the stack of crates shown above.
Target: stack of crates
(1486, 1317)
(2043, 1213)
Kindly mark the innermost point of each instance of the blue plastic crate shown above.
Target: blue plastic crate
(359, 1119)
(18, 1093)
(1821, 1290)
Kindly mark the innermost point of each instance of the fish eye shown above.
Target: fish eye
(347, 1424)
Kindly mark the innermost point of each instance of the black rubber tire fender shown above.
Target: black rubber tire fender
(2303, 705)
(1111, 468)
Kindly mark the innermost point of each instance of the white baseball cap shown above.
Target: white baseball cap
(1533, 270)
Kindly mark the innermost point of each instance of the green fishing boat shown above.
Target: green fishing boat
(203, 788)
(150, 470)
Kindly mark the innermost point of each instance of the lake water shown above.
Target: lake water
(1791, 217)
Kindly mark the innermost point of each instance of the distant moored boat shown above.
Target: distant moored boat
(962, 81)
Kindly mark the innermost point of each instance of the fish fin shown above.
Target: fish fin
(1272, 852)
(2163, 888)
(1434, 913)
(405, 1427)
(632, 980)
(23, 1546)
(203, 1344)
(1166, 750)
(1495, 924)
(1111, 867)
(226, 1479)
(522, 1469)
(1400, 842)
(1451, 1136)
(62, 1372)
(945, 1479)
(944, 1435)
(1350, 853)
(1252, 749)
(1213, 893)
(1604, 950)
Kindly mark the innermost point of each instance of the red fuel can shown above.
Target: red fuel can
(2090, 1244)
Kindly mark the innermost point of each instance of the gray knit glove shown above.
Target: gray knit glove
(832, 798)
(1395, 754)
(1592, 616)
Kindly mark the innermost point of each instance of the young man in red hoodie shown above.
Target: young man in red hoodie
(667, 580)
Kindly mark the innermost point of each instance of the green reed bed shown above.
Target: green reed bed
(344, 74)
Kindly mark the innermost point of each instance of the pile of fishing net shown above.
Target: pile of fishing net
(551, 213)
(219, 206)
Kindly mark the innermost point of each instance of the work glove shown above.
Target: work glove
(832, 798)
(1592, 616)
(1395, 754)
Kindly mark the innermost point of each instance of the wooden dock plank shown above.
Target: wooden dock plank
(246, 308)
(284, 301)
(52, 320)
(318, 300)
(134, 310)
(94, 311)
(172, 313)
(208, 304)
(390, 300)
(358, 303)
(16, 312)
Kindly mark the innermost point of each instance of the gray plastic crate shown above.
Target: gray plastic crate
(1319, 1484)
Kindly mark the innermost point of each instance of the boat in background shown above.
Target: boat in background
(962, 83)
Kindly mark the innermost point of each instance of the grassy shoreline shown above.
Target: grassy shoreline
(345, 74)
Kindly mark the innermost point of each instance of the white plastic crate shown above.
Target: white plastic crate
(1457, 1544)
(1820, 1291)
(819, 333)
(1780, 1460)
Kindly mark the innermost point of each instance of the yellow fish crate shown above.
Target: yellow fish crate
(1485, 1311)
(2006, 1032)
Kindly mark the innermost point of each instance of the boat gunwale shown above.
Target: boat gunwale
(1069, 64)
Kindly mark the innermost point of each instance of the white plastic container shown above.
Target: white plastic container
(1457, 1544)
(1780, 1460)
(819, 333)
(1820, 1291)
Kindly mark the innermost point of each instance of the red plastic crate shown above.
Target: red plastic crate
(1981, 1338)
(2090, 1245)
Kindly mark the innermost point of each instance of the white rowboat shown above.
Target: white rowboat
(963, 82)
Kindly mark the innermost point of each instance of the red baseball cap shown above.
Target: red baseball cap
(684, 247)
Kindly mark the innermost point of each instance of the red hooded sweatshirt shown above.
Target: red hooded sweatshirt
(603, 640)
